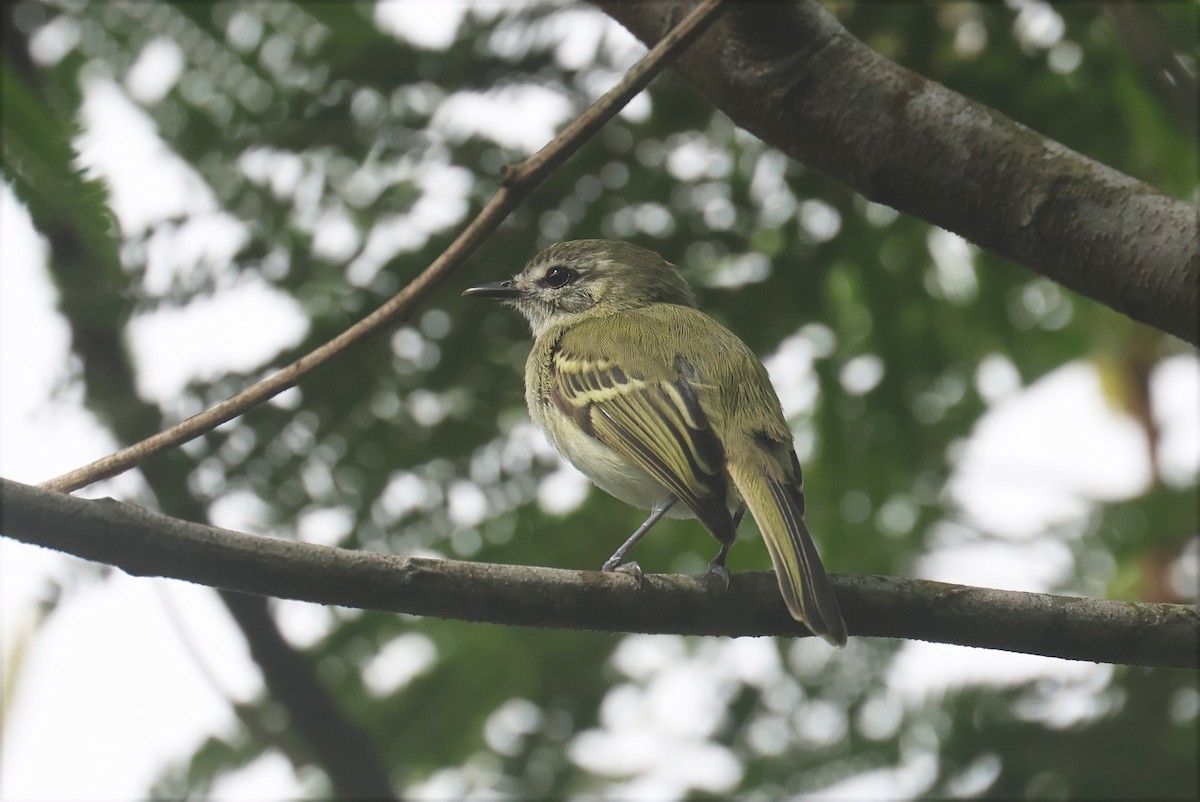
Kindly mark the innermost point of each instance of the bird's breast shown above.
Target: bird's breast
(607, 469)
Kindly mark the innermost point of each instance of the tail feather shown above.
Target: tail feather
(777, 508)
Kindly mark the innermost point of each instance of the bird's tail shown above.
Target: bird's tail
(777, 507)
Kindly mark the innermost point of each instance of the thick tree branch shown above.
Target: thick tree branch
(792, 75)
(144, 543)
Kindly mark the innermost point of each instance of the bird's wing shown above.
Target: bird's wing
(656, 423)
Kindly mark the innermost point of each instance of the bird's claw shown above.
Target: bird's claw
(720, 572)
(631, 568)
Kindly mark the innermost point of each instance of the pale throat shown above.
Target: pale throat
(540, 316)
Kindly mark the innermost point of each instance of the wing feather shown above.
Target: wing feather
(658, 425)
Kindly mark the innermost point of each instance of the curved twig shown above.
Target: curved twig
(518, 182)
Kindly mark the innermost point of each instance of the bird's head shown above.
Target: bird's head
(598, 275)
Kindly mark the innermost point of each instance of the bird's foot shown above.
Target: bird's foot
(631, 568)
(718, 570)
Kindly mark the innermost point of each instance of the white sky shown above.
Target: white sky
(1037, 459)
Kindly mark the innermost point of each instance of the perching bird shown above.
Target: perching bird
(657, 403)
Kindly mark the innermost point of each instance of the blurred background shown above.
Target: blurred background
(252, 178)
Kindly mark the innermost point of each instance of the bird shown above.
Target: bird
(664, 408)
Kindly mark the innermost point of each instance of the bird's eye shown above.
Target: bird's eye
(559, 277)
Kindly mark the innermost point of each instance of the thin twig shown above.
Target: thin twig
(518, 182)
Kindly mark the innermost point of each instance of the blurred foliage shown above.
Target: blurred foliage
(331, 145)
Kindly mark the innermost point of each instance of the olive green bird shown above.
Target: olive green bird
(657, 404)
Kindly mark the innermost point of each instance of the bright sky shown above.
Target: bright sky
(1036, 459)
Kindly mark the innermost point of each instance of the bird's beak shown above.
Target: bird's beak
(496, 290)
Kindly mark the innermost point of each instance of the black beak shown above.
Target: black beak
(497, 290)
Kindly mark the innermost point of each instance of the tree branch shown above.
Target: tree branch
(792, 75)
(343, 749)
(145, 543)
(518, 182)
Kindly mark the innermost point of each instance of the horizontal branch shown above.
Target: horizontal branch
(145, 543)
(792, 75)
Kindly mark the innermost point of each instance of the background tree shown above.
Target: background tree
(333, 152)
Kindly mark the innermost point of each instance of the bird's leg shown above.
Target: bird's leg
(614, 563)
(716, 565)
(737, 516)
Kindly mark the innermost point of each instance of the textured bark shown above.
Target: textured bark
(793, 76)
(144, 543)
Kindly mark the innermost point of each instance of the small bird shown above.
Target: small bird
(664, 408)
